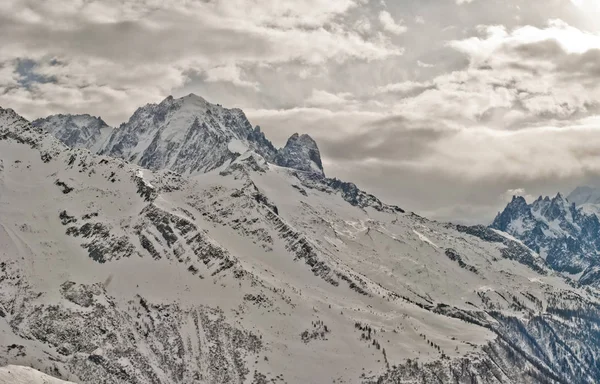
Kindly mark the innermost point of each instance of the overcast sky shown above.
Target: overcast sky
(445, 107)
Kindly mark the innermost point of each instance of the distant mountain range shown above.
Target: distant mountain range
(187, 135)
(565, 231)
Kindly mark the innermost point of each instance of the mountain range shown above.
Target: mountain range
(564, 231)
(183, 247)
(187, 135)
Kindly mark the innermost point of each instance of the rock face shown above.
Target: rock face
(564, 234)
(110, 273)
(301, 153)
(77, 131)
(261, 145)
(187, 135)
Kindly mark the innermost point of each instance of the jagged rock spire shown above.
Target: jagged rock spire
(302, 153)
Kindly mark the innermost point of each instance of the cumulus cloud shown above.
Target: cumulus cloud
(229, 73)
(547, 72)
(424, 65)
(143, 50)
(522, 114)
(406, 87)
(389, 24)
(510, 193)
(324, 98)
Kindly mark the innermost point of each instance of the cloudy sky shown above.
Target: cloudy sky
(445, 107)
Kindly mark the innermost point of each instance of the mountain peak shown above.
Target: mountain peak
(194, 97)
(518, 199)
(584, 195)
(191, 101)
(302, 153)
(555, 227)
(76, 131)
(188, 135)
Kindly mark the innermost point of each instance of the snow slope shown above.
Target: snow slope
(14, 374)
(255, 273)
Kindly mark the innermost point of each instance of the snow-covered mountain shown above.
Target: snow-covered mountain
(77, 131)
(256, 273)
(584, 195)
(586, 198)
(187, 135)
(565, 235)
(192, 136)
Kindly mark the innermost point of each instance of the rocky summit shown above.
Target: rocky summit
(77, 131)
(301, 153)
(565, 234)
(188, 249)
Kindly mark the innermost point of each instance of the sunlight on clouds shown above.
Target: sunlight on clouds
(472, 91)
(587, 5)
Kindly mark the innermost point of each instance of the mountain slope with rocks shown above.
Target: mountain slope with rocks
(192, 136)
(113, 273)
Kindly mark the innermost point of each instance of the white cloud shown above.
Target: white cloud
(514, 78)
(363, 25)
(404, 87)
(324, 98)
(229, 73)
(389, 24)
(592, 6)
(508, 195)
(424, 65)
(174, 41)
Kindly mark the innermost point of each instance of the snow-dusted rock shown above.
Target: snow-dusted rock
(77, 131)
(187, 135)
(301, 153)
(567, 236)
